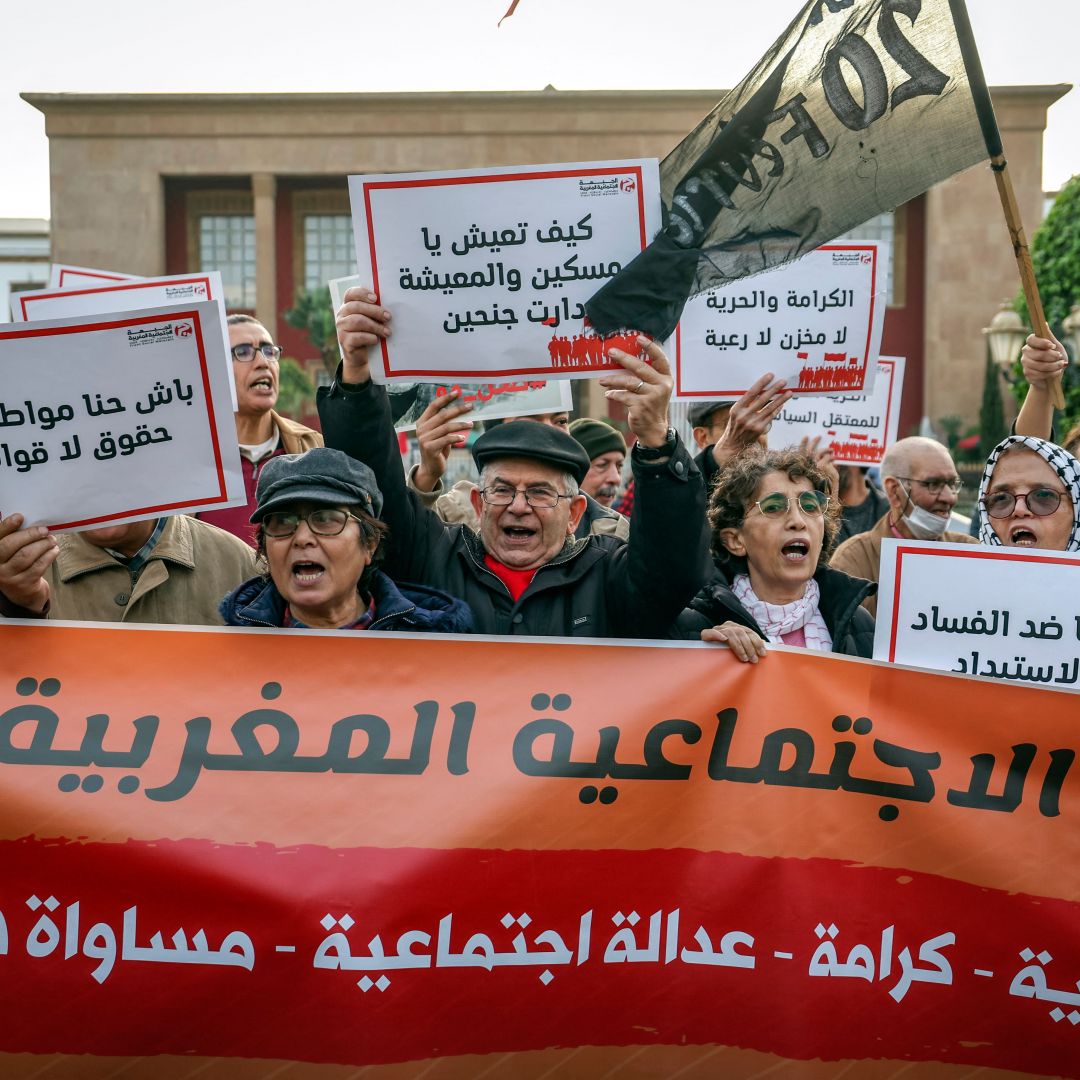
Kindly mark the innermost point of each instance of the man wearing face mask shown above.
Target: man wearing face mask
(921, 485)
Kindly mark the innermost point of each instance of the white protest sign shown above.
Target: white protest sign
(816, 323)
(858, 428)
(105, 420)
(999, 612)
(63, 276)
(102, 299)
(489, 401)
(487, 271)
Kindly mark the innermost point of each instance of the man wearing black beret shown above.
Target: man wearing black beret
(525, 573)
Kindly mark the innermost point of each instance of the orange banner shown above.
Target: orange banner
(526, 858)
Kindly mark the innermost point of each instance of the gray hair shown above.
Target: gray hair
(897, 459)
(568, 482)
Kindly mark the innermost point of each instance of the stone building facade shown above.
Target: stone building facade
(255, 185)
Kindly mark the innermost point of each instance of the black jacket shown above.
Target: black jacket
(595, 587)
(851, 626)
(397, 607)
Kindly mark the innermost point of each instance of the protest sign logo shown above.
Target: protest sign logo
(183, 329)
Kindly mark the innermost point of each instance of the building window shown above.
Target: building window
(883, 227)
(226, 242)
(328, 249)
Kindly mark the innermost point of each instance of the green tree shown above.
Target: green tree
(992, 427)
(296, 392)
(313, 313)
(1055, 255)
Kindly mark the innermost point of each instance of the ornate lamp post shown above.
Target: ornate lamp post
(1005, 337)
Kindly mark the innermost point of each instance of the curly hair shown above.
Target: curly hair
(735, 487)
(372, 532)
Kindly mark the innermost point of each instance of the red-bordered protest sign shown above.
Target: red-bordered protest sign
(110, 420)
(935, 611)
(486, 271)
(471, 855)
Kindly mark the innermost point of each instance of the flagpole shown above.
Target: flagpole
(999, 166)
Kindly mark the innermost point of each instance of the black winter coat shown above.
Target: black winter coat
(595, 587)
(850, 624)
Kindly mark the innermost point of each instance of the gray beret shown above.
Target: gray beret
(320, 475)
(698, 414)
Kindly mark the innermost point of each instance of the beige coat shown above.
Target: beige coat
(193, 565)
(455, 508)
(860, 555)
(295, 438)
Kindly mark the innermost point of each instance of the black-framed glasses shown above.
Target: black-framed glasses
(245, 353)
(1040, 501)
(935, 484)
(325, 521)
(811, 503)
(540, 498)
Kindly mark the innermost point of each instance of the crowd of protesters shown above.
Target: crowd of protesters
(734, 543)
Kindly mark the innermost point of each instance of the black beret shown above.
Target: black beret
(530, 439)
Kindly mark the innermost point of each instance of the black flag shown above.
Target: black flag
(858, 107)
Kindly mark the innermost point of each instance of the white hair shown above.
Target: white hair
(897, 459)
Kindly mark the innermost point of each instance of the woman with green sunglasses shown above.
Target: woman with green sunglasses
(772, 522)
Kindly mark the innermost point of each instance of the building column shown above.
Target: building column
(264, 193)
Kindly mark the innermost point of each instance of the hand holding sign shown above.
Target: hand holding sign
(361, 323)
(25, 555)
(645, 391)
(440, 429)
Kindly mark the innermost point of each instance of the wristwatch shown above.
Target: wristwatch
(655, 453)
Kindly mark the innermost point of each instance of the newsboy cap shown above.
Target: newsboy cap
(698, 414)
(538, 442)
(596, 437)
(320, 475)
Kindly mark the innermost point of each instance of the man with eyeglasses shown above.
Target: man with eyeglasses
(921, 484)
(525, 573)
(260, 431)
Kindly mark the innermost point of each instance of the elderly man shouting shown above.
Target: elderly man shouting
(525, 572)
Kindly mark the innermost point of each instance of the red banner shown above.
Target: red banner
(525, 858)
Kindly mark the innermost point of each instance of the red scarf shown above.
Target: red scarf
(517, 581)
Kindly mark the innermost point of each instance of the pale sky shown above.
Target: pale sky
(236, 45)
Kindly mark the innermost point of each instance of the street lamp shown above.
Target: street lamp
(1005, 336)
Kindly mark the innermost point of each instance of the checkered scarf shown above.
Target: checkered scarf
(1061, 461)
(778, 619)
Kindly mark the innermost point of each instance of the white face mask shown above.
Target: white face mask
(922, 524)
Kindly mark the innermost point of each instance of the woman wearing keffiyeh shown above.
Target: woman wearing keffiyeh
(1030, 496)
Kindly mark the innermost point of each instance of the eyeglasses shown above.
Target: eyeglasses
(811, 503)
(246, 353)
(934, 486)
(539, 498)
(1040, 501)
(326, 521)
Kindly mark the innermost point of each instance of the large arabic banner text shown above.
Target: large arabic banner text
(508, 858)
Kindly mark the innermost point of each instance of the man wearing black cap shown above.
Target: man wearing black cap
(525, 573)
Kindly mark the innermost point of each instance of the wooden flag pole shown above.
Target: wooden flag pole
(1023, 261)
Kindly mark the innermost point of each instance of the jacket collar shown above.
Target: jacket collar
(78, 556)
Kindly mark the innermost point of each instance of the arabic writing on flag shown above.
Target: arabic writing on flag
(859, 106)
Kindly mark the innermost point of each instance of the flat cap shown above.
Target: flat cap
(320, 475)
(698, 414)
(596, 437)
(538, 442)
